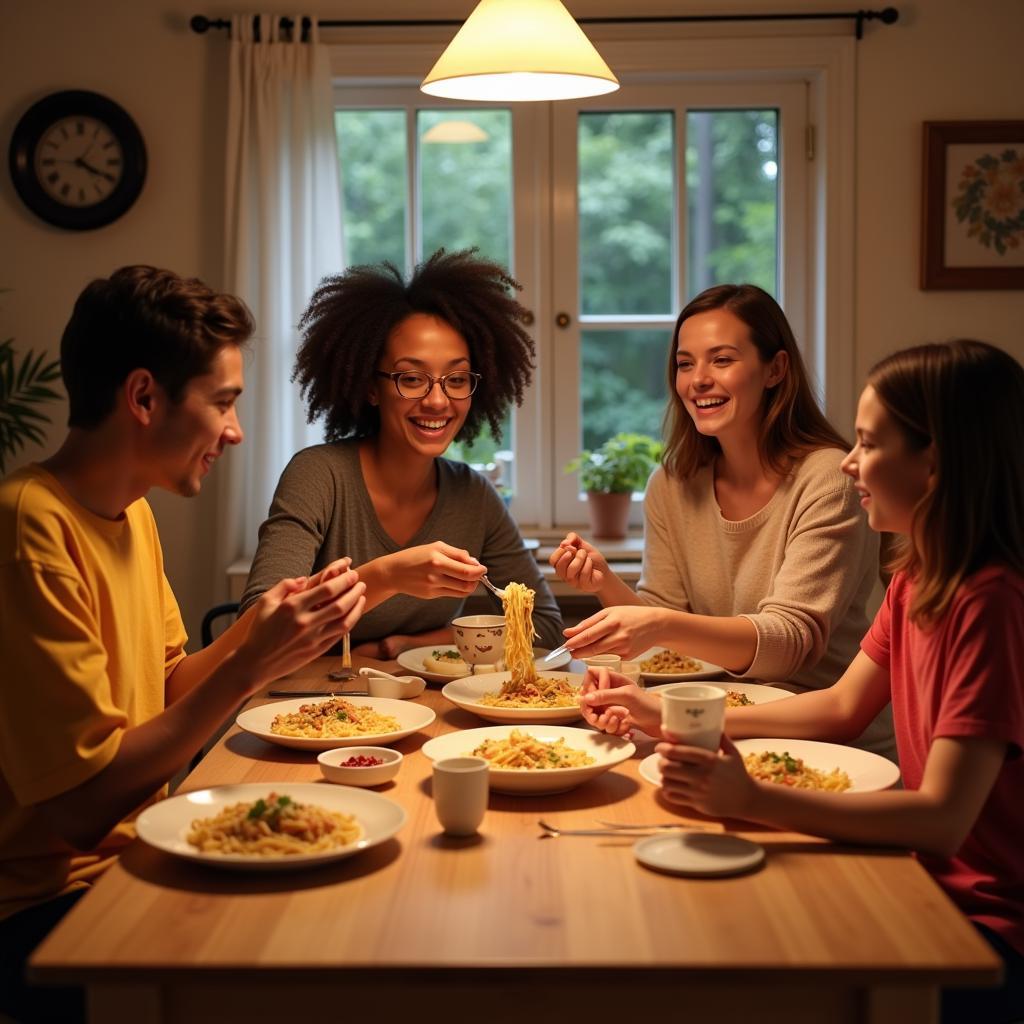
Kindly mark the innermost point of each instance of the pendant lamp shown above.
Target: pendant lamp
(512, 50)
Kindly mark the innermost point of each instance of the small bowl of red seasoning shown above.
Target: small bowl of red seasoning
(360, 766)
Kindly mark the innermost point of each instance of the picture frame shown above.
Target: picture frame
(972, 214)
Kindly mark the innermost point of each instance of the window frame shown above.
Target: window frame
(822, 65)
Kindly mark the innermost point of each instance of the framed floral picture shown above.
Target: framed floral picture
(973, 205)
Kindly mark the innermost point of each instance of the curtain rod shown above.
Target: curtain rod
(887, 16)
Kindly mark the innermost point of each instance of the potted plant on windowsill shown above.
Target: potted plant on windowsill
(610, 475)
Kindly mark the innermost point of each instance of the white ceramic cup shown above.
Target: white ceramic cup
(694, 713)
(460, 793)
(631, 670)
(612, 662)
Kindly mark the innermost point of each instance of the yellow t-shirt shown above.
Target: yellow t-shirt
(89, 631)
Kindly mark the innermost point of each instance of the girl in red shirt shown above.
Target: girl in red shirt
(939, 460)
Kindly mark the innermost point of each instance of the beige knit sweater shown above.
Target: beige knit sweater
(801, 570)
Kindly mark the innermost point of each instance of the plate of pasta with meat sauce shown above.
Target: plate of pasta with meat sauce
(443, 663)
(805, 764)
(335, 721)
(660, 665)
(738, 694)
(270, 826)
(548, 697)
(534, 759)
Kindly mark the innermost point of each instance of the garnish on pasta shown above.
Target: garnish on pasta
(520, 750)
(273, 826)
(331, 718)
(786, 770)
(669, 663)
(735, 699)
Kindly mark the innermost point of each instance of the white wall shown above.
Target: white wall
(946, 59)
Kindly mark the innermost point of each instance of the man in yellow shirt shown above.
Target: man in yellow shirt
(99, 705)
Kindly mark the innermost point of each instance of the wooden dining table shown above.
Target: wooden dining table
(509, 925)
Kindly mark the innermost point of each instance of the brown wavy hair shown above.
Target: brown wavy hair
(973, 514)
(142, 317)
(351, 316)
(792, 425)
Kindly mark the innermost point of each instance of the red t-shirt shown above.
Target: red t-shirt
(965, 677)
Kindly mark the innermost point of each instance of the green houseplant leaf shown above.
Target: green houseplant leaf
(620, 466)
(23, 388)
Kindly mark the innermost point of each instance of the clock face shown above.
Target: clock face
(78, 161)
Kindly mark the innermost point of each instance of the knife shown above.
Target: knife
(557, 652)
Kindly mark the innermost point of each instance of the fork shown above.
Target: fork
(497, 591)
(616, 826)
(619, 830)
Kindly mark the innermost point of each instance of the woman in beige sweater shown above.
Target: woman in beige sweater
(756, 555)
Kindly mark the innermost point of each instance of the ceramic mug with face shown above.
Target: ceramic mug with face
(480, 638)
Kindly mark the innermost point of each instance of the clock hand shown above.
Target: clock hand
(79, 162)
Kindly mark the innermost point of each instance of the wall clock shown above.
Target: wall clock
(77, 160)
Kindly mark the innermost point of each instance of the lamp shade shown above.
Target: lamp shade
(512, 50)
(455, 131)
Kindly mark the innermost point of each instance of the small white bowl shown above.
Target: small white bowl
(400, 688)
(480, 638)
(332, 768)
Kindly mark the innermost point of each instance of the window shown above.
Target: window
(612, 213)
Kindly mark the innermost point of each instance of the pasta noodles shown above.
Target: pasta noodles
(518, 607)
(669, 663)
(274, 826)
(523, 751)
(543, 692)
(787, 770)
(335, 717)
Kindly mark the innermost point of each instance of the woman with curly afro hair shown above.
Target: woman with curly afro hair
(399, 370)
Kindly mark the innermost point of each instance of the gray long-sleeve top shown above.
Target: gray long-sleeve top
(322, 511)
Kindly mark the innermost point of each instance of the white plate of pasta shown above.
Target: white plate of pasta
(553, 698)
(551, 758)
(340, 721)
(270, 826)
(446, 657)
(738, 694)
(805, 764)
(660, 665)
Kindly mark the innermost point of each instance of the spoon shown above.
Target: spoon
(380, 673)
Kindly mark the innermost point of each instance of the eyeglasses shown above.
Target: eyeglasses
(416, 384)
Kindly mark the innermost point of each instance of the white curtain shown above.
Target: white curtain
(283, 235)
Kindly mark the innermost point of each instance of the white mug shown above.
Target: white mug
(460, 793)
(694, 713)
(631, 670)
(612, 662)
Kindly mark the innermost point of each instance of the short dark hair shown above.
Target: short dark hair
(143, 318)
(792, 425)
(351, 316)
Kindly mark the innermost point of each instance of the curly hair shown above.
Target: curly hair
(351, 316)
(143, 317)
